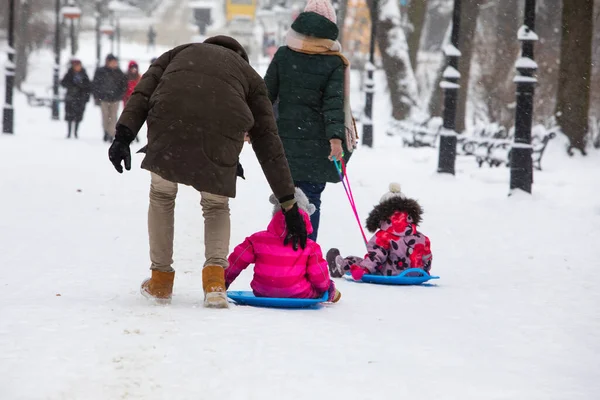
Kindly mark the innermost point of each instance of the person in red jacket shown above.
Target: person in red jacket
(133, 77)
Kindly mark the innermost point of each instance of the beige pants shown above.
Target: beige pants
(109, 117)
(161, 225)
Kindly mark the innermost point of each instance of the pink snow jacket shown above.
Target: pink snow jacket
(279, 271)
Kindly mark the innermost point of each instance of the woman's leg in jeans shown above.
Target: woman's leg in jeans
(313, 191)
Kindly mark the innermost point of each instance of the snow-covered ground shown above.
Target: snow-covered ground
(516, 313)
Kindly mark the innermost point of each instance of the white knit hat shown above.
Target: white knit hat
(322, 7)
(303, 203)
(394, 192)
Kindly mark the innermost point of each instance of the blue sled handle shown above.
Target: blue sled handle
(418, 270)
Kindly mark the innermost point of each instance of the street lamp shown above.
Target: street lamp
(521, 166)
(448, 139)
(367, 139)
(115, 8)
(71, 12)
(109, 31)
(8, 111)
(55, 109)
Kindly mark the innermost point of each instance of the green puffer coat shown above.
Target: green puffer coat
(310, 91)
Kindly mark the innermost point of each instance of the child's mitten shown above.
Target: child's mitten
(334, 294)
(357, 272)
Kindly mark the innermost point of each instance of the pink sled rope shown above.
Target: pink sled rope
(340, 166)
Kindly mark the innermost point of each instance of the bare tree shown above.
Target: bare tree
(468, 23)
(573, 98)
(595, 92)
(31, 31)
(394, 56)
(417, 10)
(342, 9)
(438, 28)
(496, 53)
(547, 56)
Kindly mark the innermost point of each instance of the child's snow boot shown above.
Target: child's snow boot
(336, 297)
(213, 283)
(159, 287)
(335, 270)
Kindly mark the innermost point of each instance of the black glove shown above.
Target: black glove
(296, 228)
(240, 171)
(119, 149)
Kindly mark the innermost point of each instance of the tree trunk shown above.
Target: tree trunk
(437, 96)
(394, 56)
(547, 57)
(468, 23)
(496, 52)
(22, 48)
(417, 10)
(595, 89)
(341, 18)
(436, 100)
(573, 99)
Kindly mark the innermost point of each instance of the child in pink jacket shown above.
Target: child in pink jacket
(280, 271)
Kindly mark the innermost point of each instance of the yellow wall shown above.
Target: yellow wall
(242, 8)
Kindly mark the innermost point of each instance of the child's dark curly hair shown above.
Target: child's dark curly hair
(384, 211)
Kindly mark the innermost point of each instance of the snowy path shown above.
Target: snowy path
(515, 316)
(172, 23)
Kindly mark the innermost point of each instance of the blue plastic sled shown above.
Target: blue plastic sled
(401, 279)
(247, 298)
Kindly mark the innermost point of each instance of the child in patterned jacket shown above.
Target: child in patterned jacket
(397, 244)
(279, 270)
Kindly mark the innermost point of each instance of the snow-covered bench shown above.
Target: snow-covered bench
(416, 134)
(34, 101)
(497, 152)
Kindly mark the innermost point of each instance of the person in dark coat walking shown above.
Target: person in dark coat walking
(199, 100)
(79, 87)
(151, 38)
(109, 87)
(309, 80)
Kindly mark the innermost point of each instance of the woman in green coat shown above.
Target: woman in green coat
(309, 78)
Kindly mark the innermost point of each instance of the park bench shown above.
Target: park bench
(419, 134)
(34, 101)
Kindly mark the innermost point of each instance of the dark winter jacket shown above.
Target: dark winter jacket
(78, 87)
(310, 90)
(109, 84)
(199, 100)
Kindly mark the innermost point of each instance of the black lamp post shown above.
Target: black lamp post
(367, 138)
(118, 32)
(71, 12)
(112, 36)
(98, 34)
(55, 109)
(8, 111)
(447, 152)
(521, 168)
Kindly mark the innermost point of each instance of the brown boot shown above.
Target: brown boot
(213, 283)
(337, 296)
(159, 287)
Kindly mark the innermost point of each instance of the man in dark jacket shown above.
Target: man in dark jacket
(109, 86)
(199, 100)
